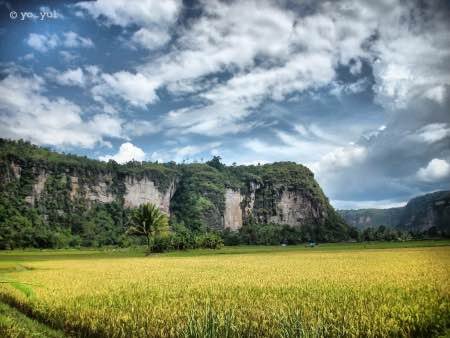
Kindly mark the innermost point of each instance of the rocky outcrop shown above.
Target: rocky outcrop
(423, 213)
(140, 191)
(74, 187)
(430, 212)
(16, 169)
(295, 209)
(233, 210)
(38, 188)
(100, 191)
(271, 205)
(364, 218)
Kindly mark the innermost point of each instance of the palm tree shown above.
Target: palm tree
(147, 220)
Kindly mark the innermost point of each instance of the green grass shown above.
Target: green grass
(15, 257)
(14, 323)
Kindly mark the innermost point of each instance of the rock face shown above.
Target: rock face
(423, 213)
(365, 218)
(271, 205)
(100, 190)
(430, 212)
(295, 209)
(38, 188)
(276, 203)
(140, 191)
(233, 212)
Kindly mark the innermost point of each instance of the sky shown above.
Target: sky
(358, 91)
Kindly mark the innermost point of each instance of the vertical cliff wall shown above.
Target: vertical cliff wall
(144, 190)
(277, 204)
(63, 188)
(233, 210)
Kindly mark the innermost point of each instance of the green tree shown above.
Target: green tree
(147, 220)
(215, 162)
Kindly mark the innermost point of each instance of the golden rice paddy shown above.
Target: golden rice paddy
(370, 293)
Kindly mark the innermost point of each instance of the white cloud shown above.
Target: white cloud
(437, 94)
(341, 157)
(150, 38)
(28, 57)
(301, 54)
(436, 170)
(137, 89)
(292, 148)
(141, 127)
(191, 150)
(127, 152)
(27, 113)
(42, 43)
(128, 12)
(411, 54)
(45, 42)
(68, 56)
(154, 18)
(434, 132)
(339, 89)
(381, 204)
(71, 77)
(73, 40)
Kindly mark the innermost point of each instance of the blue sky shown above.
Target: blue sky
(358, 91)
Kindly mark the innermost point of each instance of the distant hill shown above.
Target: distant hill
(426, 213)
(365, 218)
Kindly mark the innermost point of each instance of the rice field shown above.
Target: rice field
(329, 291)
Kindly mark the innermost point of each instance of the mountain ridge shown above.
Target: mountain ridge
(77, 196)
(425, 213)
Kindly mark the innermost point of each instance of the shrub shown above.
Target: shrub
(209, 241)
(161, 243)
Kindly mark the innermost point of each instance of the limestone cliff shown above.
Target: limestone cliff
(98, 189)
(144, 190)
(232, 217)
(266, 205)
(365, 218)
(426, 213)
(62, 188)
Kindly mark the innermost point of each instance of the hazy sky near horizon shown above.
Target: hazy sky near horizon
(358, 91)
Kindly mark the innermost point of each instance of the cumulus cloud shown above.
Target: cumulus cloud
(154, 17)
(342, 157)
(434, 132)
(127, 152)
(436, 170)
(45, 42)
(42, 43)
(71, 77)
(27, 113)
(150, 39)
(136, 89)
(185, 152)
(73, 40)
(301, 51)
(141, 127)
